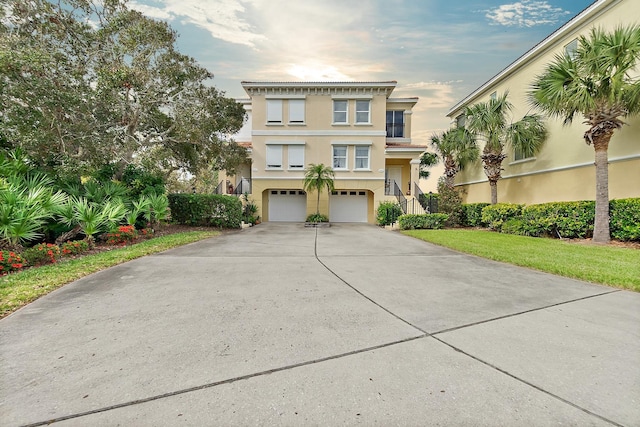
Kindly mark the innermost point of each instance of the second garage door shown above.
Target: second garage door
(287, 205)
(348, 206)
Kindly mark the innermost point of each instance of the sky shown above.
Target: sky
(437, 50)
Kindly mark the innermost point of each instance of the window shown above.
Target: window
(570, 48)
(274, 156)
(395, 124)
(274, 110)
(461, 120)
(296, 156)
(339, 157)
(296, 111)
(362, 157)
(493, 96)
(340, 110)
(521, 155)
(363, 111)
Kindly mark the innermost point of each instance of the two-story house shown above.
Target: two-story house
(354, 127)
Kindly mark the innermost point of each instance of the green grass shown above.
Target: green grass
(613, 266)
(19, 289)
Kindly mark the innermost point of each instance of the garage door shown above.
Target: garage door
(287, 205)
(348, 206)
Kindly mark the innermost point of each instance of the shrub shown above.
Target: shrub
(123, 235)
(75, 247)
(206, 209)
(42, 253)
(388, 213)
(495, 215)
(560, 219)
(450, 203)
(625, 219)
(317, 218)
(423, 221)
(10, 261)
(472, 214)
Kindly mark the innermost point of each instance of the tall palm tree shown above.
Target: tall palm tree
(488, 121)
(457, 147)
(316, 178)
(595, 82)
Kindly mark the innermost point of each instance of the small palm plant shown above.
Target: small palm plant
(90, 218)
(457, 148)
(316, 178)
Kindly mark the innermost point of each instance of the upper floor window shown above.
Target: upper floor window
(274, 111)
(340, 111)
(362, 157)
(461, 120)
(520, 155)
(296, 156)
(395, 124)
(296, 111)
(274, 156)
(339, 156)
(571, 48)
(363, 111)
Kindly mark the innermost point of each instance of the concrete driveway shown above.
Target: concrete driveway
(348, 325)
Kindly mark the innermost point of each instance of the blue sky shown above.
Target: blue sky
(438, 50)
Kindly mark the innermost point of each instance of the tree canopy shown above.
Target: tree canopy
(84, 83)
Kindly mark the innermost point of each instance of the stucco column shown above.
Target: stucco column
(415, 174)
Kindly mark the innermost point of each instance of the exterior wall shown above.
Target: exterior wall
(563, 170)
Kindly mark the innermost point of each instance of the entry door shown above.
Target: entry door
(393, 173)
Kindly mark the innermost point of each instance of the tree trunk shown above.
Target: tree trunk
(601, 232)
(68, 235)
(493, 170)
(318, 203)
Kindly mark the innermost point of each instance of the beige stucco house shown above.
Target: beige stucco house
(357, 128)
(564, 169)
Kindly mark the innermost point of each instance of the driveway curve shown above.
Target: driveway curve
(348, 325)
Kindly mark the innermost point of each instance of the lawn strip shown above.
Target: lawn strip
(19, 289)
(612, 266)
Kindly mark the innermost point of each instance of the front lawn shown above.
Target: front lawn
(607, 265)
(19, 289)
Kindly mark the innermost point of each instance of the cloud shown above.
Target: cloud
(432, 94)
(222, 18)
(526, 13)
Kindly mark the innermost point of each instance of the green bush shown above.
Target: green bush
(560, 219)
(42, 253)
(317, 218)
(625, 219)
(423, 221)
(388, 213)
(495, 215)
(75, 247)
(206, 209)
(11, 261)
(472, 214)
(450, 203)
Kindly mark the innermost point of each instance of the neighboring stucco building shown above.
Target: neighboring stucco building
(564, 169)
(354, 127)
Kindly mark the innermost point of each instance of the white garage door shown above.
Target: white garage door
(287, 205)
(348, 206)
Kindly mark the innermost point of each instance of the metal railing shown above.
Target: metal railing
(402, 201)
(219, 189)
(242, 186)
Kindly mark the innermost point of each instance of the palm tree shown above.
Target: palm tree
(457, 148)
(595, 82)
(488, 121)
(317, 177)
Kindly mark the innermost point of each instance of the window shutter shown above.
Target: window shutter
(274, 156)
(296, 157)
(274, 111)
(296, 111)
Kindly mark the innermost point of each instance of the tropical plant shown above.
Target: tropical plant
(457, 147)
(89, 218)
(26, 203)
(488, 121)
(596, 82)
(158, 209)
(316, 178)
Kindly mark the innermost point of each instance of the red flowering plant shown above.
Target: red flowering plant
(10, 261)
(42, 253)
(123, 235)
(74, 248)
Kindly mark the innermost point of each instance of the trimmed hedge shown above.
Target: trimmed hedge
(472, 214)
(414, 221)
(496, 215)
(564, 219)
(388, 213)
(206, 210)
(625, 219)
